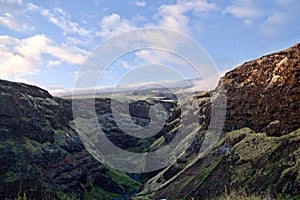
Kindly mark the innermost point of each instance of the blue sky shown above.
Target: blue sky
(46, 42)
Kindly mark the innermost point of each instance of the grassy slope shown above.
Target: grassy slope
(254, 163)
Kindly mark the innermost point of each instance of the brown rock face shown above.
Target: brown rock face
(264, 94)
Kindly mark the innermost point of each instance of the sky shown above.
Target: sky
(46, 43)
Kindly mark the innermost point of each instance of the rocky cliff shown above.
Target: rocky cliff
(258, 152)
(264, 94)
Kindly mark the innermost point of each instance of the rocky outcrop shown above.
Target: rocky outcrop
(264, 94)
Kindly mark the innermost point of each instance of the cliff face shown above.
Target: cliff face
(259, 150)
(31, 111)
(264, 94)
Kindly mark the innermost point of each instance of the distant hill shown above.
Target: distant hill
(159, 89)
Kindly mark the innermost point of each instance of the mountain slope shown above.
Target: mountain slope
(42, 155)
(264, 96)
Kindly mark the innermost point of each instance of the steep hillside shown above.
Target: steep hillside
(41, 154)
(262, 95)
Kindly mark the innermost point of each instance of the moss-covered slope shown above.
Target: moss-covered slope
(243, 160)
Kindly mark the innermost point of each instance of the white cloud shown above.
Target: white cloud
(175, 16)
(10, 21)
(276, 25)
(113, 24)
(73, 74)
(13, 63)
(285, 3)
(244, 9)
(126, 65)
(62, 19)
(248, 22)
(12, 2)
(283, 20)
(167, 59)
(54, 63)
(32, 7)
(141, 3)
(13, 16)
(58, 90)
(67, 54)
(160, 57)
(27, 56)
(6, 39)
(272, 23)
(33, 47)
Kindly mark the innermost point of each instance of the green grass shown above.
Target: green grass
(25, 197)
(124, 180)
(99, 193)
(20, 197)
(242, 196)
